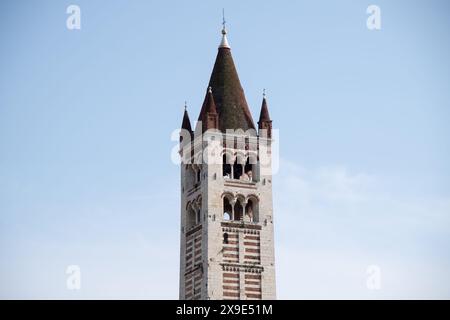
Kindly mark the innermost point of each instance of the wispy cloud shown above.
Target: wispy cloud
(332, 223)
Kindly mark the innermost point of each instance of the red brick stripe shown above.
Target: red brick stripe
(230, 288)
(253, 289)
(232, 281)
(231, 294)
(230, 249)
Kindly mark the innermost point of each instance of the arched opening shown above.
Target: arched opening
(226, 167)
(225, 238)
(252, 210)
(227, 209)
(249, 211)
(237, 170)
(248, 171)
(238, 210)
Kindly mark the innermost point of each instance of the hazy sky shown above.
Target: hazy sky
(86, 118)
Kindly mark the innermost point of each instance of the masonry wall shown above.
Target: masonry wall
(242, 268)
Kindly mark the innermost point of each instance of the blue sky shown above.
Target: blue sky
(86, 118)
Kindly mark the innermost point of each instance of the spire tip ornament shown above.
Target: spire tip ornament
(224, 42)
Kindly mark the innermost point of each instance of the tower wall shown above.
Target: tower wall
(242, 266)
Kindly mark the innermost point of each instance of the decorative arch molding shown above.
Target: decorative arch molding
(228, 194)
(199, 199)
(252, 196)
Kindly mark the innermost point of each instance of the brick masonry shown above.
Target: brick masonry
(244, 266)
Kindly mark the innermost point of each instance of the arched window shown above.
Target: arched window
(227, 209)
(252, 210)
(238, 210)
(248, 170)
(237, 169)
(225, 238)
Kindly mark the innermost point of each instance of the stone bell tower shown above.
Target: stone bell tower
(226, 243)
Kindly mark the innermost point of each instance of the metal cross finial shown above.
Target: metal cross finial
(264, 93)
(185, 105)
(223, 18)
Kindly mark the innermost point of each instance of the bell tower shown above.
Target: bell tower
(226, 236)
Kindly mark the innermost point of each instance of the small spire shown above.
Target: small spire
(186, 123)
(224, 42)
(209, 102)
(264, 114)
(264, 122)
(209, 117)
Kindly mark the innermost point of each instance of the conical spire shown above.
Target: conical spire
(186, 124)
(264, 114)
(227, 91)
(264, 123)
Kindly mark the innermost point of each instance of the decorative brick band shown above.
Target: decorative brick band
(231, 294)
(251, 237)
(234, 267)
(253, 289)
(241, 225)
(231, 275)
(253, 276)
(240, 185)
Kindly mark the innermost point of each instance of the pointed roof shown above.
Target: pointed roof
(186, 124)
(264, 114)
(210, 106)
(227, 91)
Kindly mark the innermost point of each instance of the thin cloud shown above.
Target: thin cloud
(332, 223)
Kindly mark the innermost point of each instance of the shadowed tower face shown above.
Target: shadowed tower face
(226, 243)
